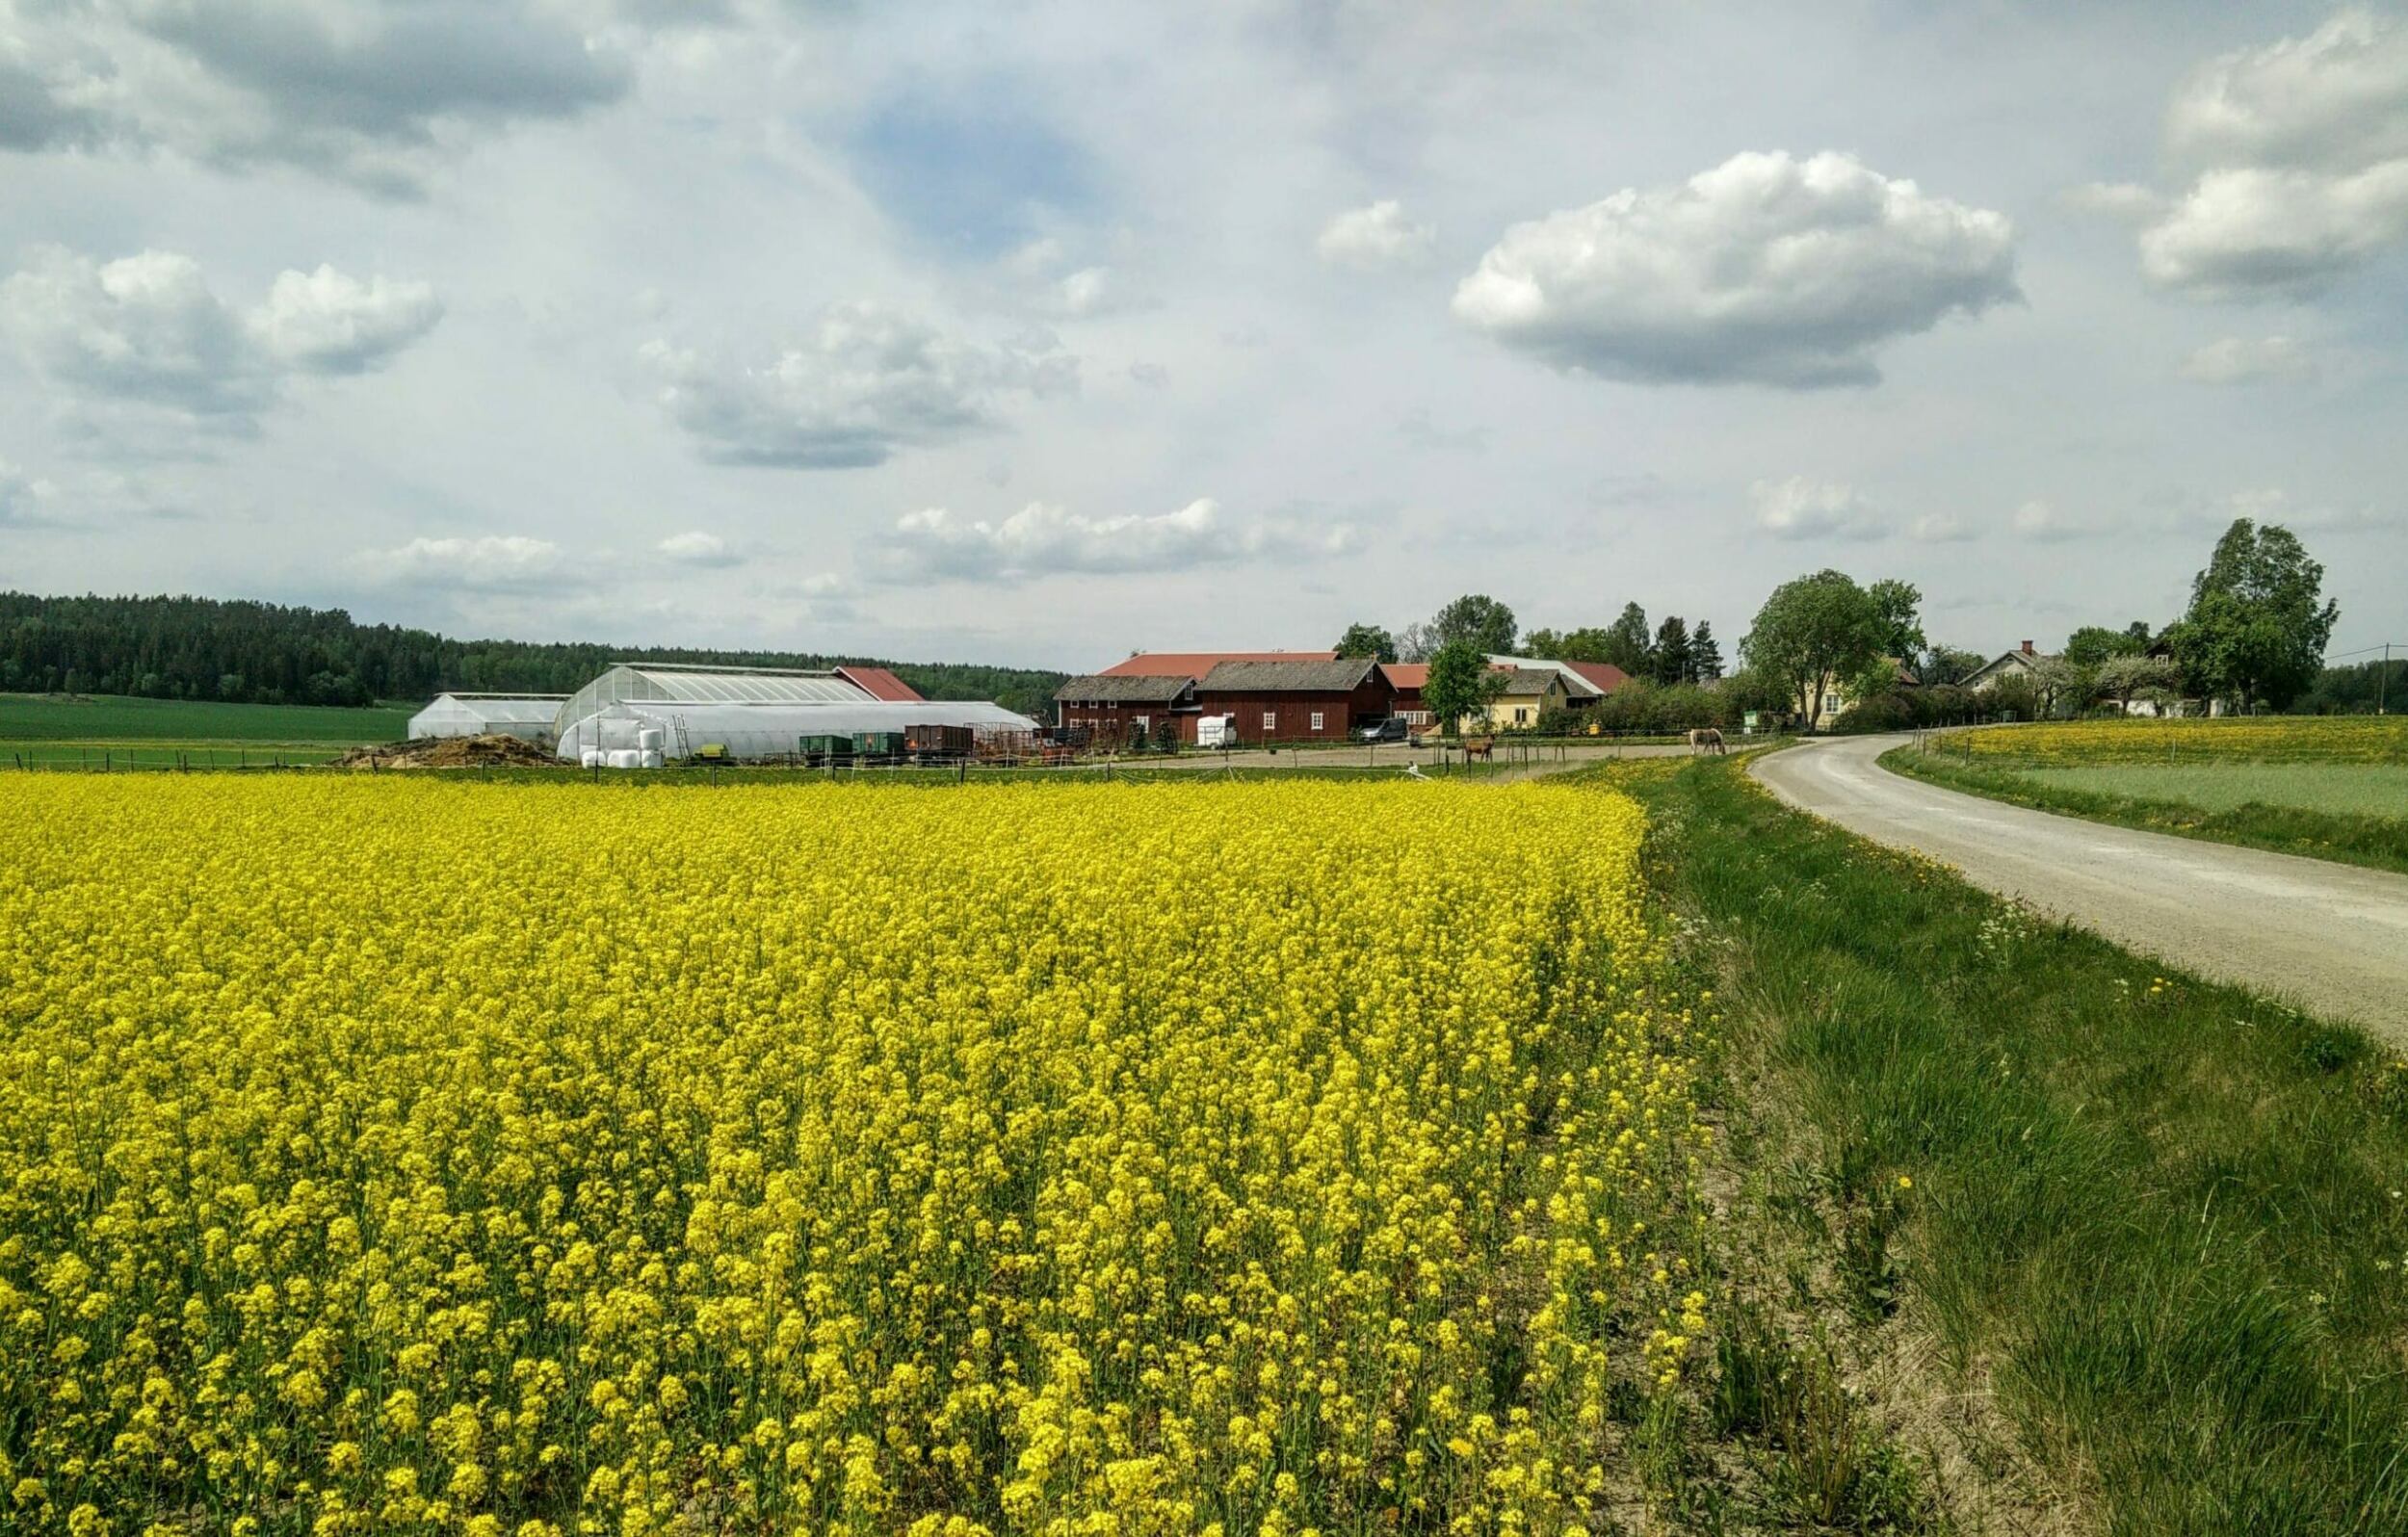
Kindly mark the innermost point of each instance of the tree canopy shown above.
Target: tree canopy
(1815, 630)
(1487, 624)
(2256, 631)
(1460, 683)
(1367, 640)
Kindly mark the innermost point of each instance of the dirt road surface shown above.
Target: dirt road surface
(2332, 939)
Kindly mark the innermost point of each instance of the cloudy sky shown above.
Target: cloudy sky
(1043, 333)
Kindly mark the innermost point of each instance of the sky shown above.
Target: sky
(1039, 335)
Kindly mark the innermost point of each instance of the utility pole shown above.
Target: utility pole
(2383, 679)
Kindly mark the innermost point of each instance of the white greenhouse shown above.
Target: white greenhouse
(528, 717)
(764, 730)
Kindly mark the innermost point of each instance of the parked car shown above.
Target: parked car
(1392, 729)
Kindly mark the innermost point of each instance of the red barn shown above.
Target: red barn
(1115, 708)
(1294, 700)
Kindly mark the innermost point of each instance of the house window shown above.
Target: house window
(1270, 720)
(1317, 720)
(1521, 715)
(1146, 722)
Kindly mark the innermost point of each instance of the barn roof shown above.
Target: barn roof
(1410, 676)
(1196, 664)
(879, 683)
(1525, 680)
(1101, 688)
(1329, 675)
(1603, 676)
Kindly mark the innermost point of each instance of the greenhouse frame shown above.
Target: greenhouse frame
(764, 730)
(528, 717)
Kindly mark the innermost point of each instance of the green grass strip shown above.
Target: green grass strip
(2380, 842)
(2163, 1218)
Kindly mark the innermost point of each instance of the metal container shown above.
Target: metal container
(882, 746)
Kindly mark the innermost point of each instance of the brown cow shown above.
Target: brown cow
(1705, 740)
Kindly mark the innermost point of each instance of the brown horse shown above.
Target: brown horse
(1479, 746)
(1705, 740)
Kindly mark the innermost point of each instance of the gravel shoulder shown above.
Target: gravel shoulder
(2330, 938)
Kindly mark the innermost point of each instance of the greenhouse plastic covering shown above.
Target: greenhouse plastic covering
(766, 730)
(526, 716)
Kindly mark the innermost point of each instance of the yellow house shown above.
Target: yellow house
(1530, 695)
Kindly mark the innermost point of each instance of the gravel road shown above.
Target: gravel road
(2330, 938)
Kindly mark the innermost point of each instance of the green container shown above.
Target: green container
(819, 749)
(878, 744)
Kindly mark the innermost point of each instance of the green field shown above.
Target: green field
(159, 726)
(2345, 789)
(2356, 813)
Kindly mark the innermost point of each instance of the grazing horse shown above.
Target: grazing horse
(1705, 740)
(1479, 746)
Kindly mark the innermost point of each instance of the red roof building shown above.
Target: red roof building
(879, 683)
(1194, 664)
(1603, 674)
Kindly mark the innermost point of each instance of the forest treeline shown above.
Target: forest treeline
(244, 652)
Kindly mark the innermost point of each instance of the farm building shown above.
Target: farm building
(1288, 700)
(1114, 709)
(1408, 679)
(879, 683)
(1193, 664)
(1530, 694)
(751, 712)
(528, 717)
(770, 729)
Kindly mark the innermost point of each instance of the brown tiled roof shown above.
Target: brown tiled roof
(1196, 664)
(879, 683)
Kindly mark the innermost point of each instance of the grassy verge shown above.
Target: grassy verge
(2378, 841)
(2138, 1238)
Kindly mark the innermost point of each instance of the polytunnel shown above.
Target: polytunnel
(768, 730)
(528, 717)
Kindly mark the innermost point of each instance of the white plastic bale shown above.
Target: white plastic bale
(625, 758)
(652, 758)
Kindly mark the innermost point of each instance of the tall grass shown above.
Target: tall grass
(2160, 1217)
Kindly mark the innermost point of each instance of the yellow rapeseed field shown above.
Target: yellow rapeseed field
(2262, 739)
(397, 1155)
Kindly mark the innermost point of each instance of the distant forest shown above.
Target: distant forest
(264, 653)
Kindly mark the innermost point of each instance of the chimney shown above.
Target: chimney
(2028, 648)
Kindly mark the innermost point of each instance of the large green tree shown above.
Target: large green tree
(1477, 617)
(1704, 653)
(1367, 640)
(1896, 618)
(1629, 644)
(1669, 659)
(2258, 622)
(1462, 683)
(1948, 663)
(1812, 633)
(2094, 643)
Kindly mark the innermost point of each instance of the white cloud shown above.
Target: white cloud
(2248, 360)
(1375, 238)
(2301, 149)
(698, 548)
(1803, 508)
(2274, 504)
(1941, 527)
(147, 329)
(2039, 522)
(1766, 269)
(328, 322)
(1043, 538)
(865, 384)
(488, 563)
(374, 95)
